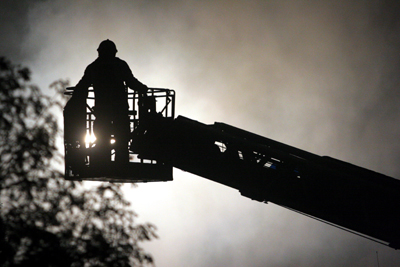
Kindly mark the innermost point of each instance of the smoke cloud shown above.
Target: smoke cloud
(318, 75)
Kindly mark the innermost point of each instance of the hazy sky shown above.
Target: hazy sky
(318, 75)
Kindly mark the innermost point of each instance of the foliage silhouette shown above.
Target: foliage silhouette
(44, 219)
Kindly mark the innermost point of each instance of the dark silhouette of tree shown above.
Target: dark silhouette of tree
(44, 219)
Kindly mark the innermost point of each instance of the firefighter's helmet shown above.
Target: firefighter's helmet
(107, 46)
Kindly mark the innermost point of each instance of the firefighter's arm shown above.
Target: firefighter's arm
(134, 83)
(81, 89)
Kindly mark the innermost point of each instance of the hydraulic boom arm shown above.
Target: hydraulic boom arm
(338, 193)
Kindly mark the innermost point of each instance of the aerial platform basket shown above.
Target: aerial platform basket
(80, 143)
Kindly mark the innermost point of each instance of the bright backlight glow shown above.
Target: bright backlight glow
(89, 139)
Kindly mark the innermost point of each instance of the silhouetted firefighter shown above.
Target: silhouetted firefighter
(109, 76)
